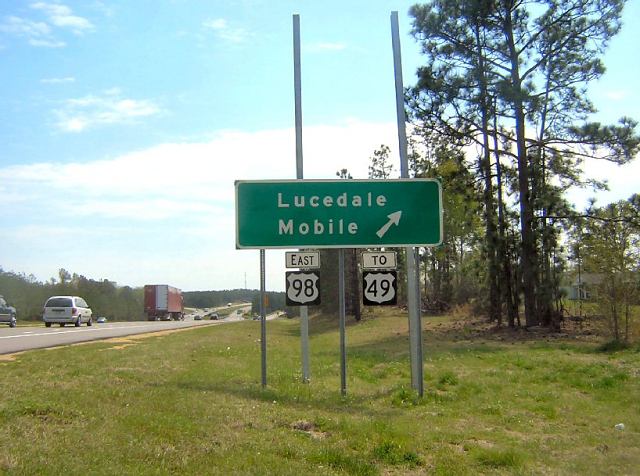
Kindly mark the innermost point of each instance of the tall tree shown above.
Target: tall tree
(447, 266)
(517, 71)
(380, 167)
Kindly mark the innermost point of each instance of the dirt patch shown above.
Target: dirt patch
(474, 328)
(310, 429)
(8, 357)
(128, 341)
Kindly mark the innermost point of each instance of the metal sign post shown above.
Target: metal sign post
(413, 289)
(297, 86)
(342, 311)
(263, 321)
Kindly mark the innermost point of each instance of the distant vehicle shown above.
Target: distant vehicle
(214, 316)
(197, 317)
(7, 313)
(67, 310)
(162, 301)
(228, 304)
(101, 320)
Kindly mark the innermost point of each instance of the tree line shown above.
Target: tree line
(274, 301)
(507, 79)
(106, 298)
(500, 114)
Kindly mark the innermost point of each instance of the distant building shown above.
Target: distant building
(584, 286)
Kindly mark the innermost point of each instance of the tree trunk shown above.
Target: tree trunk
(495, 313)
(504, 261)
(527, 246)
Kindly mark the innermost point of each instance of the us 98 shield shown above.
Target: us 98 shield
(303, 288)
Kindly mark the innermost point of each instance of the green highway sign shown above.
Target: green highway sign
(338, 213)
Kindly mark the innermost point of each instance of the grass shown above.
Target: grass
(192, 403)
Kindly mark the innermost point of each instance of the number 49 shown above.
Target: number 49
(384, 287)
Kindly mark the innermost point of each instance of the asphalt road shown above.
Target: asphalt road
(19, 339)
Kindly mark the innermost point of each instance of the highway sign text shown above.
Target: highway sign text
(302, 259)
(379, 259)
(338, 213)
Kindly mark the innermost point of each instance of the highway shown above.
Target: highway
(20, 339)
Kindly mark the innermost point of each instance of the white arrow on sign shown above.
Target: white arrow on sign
(394, 219)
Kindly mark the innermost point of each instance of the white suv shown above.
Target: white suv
(66, 310)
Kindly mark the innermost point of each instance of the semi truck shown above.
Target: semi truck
(163, 302)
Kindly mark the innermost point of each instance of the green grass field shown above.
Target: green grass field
(191, 403)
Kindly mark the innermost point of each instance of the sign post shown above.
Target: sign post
(263, 321)
(297, 88)
(413, 264)
(342, 318)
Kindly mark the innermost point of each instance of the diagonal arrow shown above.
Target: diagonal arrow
(394, 219)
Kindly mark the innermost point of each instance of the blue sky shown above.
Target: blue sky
(124, 125)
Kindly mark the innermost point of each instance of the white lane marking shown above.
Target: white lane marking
(98, 329)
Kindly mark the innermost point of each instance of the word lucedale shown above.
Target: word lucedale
(329, 227)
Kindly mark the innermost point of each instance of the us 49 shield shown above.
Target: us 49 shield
(379, 288)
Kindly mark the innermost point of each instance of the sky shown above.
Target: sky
(123, 125)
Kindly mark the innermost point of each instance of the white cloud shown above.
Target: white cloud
(205, 171)
(216, 24)
(324, 46)
(68, 79)
(622, 182)
(52, 43)
(24, 27)
(43, 33)
(62, 16)
(37, 33)
(79, 114)
(166, 212)
(225, 32)
(616, 95)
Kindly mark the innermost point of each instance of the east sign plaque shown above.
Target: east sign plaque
(338, 213)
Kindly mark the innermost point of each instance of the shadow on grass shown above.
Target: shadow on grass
(323, 323)
(297, 396)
